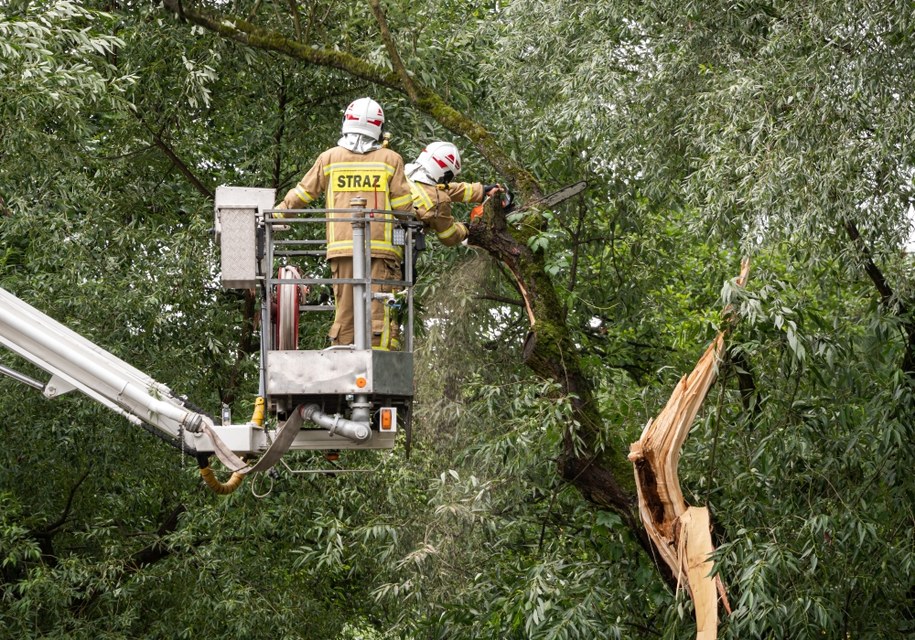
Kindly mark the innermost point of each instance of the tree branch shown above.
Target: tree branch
(45, 535)
(156, 550)
(887, 297)
(294, 9)
(278, 134)
(427, 100)
(502, 299)
(745, 380)
(873, 272)
(551, 352)
(389, 44)
(65, 514)
(178, 162)
(576, 243)
(245, 347)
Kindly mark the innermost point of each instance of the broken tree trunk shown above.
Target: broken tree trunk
(681, 533)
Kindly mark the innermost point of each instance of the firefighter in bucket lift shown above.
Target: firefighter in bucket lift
(359, 166)
(434, 192)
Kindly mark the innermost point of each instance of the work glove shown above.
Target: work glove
(508, 200)
(488, 191)
(280, 214)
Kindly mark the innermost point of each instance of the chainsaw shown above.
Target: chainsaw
(546, 202)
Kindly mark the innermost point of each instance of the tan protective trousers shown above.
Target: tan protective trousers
(385, 331)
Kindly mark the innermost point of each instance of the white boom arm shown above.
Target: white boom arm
(76, 363)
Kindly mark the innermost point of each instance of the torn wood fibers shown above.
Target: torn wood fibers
(681, 533)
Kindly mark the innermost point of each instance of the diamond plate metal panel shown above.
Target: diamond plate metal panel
(237, 245)
(236, 211)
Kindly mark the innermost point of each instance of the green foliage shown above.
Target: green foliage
(57, 81)
(706, 131)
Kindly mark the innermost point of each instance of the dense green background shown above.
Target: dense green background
(706, 130)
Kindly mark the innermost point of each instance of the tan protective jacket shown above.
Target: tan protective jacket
(433, 207)
(377, 176)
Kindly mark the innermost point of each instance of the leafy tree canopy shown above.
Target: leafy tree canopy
(706, 132)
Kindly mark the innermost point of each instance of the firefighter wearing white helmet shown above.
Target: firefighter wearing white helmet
(363, 117)
(431, 183)
(359, 166)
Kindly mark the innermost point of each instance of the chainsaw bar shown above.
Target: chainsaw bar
(556, 197)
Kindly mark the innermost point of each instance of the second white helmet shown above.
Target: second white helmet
(364, 116)
(441, 160)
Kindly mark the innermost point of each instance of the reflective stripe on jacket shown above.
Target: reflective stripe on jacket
(433, 207)
(341, 175)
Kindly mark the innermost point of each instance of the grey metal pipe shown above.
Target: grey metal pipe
(362, 299)
(356, 431)
(360, 339)
(21, 377)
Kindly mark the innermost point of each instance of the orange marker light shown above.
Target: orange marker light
(361, 382)
(387, 419)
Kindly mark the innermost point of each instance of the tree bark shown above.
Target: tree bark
(887, 298)
(389, 44)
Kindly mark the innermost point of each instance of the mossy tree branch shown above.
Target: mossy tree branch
(604, 478)
(426, 101)
(396, 62)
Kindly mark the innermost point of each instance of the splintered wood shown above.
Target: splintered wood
(681, 534)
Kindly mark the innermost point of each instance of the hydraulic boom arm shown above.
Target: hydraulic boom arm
(76, 363)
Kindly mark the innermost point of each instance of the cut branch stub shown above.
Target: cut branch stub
(490, 232)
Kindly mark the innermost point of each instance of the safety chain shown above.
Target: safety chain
(183, 450)
(271, 472)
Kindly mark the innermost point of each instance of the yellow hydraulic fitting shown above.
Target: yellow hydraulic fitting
(258, 416)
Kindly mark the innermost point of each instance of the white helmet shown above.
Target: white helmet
(364, 116)
(441, 160)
